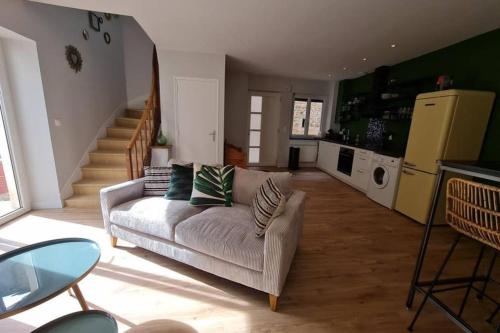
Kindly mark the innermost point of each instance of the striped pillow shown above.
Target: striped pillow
(156, 180)
(268, 203)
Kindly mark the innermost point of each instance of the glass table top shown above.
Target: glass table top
(81, 322)
(35, 273)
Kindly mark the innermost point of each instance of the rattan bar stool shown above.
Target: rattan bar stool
(473, 210)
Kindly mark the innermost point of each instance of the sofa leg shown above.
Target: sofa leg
(273, 302)
(114, 240)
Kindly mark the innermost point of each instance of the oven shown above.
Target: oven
(346, 156)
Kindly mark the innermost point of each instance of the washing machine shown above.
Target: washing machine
(384, 179)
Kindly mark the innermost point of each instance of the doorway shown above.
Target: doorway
(264, 128)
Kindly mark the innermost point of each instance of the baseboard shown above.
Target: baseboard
(67, 190)
(307, 164)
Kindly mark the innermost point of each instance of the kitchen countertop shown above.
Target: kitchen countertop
(381, 151)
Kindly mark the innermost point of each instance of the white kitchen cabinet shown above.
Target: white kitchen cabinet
(361, 166)
(328, 156)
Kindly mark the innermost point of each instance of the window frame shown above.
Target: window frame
(250, 130)
(309, 98)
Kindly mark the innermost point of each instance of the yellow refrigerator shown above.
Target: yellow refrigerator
(446, 125)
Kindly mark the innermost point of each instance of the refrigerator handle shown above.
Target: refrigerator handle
(409, 173)
(409, 164)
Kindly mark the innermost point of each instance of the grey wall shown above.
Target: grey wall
(80, 102)
(237, 109)
(138, 55)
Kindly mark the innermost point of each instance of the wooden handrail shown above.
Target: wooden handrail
(146, 131)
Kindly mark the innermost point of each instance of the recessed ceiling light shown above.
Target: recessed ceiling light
(345, 68)
(364, 59)
(329, 75)
(393, 45)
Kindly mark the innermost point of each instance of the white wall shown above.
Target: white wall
(138, 57)
(82, 101)
(195, 65)
(238, 108)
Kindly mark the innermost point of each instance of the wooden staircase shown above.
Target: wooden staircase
(108, 164)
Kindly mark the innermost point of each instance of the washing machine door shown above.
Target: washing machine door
(380, 176)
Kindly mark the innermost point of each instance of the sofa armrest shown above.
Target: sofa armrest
(281, 240)
(117, 194)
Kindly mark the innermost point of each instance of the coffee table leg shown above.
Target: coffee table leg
(80, 298)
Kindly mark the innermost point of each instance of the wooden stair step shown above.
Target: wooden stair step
(108, 156)
(120, 132)
(83, 201)
(134, 113)
(91, 186)
(112, 143)
(105, 171)
(127, 122)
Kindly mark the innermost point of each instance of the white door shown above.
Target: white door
(197, 120)
(264, 125)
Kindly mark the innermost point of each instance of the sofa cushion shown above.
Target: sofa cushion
(154, 216)
(268, 204)
(212, 186)
(226, 233)
(156, 180)
(181, 182)
(247, 182)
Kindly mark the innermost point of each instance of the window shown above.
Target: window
(255, 129)
(306, 117)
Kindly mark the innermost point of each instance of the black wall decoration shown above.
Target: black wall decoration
(95, 21)
(74, 58)
(107, 37)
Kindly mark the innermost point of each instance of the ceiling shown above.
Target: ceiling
(305, 38)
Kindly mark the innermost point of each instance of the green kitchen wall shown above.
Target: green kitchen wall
(474, 64)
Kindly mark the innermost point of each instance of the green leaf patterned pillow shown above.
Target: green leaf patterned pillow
(213, 186)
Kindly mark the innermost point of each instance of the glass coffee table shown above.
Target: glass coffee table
(36, 273)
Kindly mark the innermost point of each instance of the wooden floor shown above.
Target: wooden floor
(350, 274)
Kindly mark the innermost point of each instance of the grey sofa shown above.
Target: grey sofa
(219, 240)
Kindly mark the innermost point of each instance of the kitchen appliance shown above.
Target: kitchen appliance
(384, 178)
(446, 125)
(346, 157)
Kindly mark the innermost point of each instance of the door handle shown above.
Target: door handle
(406, 172)
(409, 164)
(213, 135)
